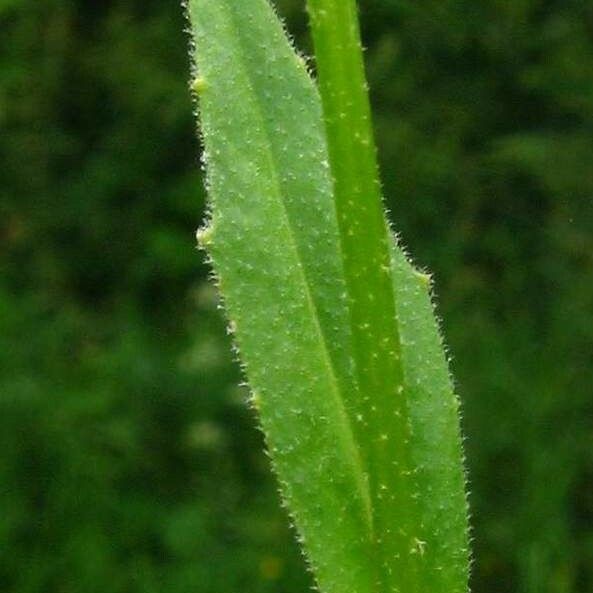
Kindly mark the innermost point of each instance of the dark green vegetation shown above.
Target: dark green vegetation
(128, 460)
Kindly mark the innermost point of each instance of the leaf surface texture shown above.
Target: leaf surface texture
(373, 480)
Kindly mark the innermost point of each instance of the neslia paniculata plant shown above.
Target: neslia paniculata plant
(334, 326)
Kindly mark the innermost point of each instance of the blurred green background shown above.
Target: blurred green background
(129, 461)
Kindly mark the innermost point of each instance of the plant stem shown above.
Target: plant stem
(365, 240)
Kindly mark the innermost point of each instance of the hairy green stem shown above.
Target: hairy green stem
(365, 240)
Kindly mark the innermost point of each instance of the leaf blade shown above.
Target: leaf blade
(284, 329)
(436, 443)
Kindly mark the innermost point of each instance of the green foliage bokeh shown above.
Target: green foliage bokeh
(129, 461)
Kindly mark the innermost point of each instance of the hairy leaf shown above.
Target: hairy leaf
(335, 328)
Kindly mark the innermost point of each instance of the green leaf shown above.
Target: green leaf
(430, 508)
(334, 327)
(435, 441)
